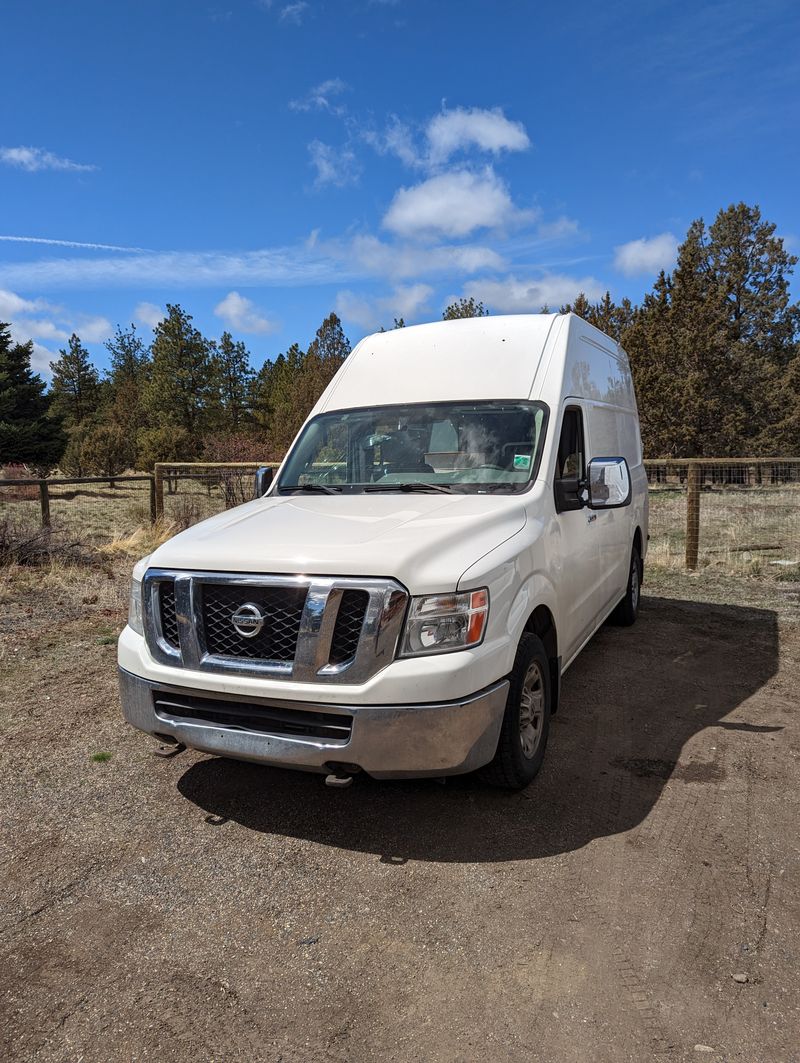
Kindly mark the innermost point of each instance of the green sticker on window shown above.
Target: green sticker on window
(522, 461)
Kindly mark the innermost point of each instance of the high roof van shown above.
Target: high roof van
(461, 511)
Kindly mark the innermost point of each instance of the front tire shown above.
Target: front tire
(628, 609)
(526, 723)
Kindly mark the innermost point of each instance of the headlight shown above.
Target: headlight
(135, 607)
(441, 623)
(135, 600)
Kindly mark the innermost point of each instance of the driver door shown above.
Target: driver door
(580, 583)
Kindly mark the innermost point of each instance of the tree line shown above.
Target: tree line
(182, 397)
(713, 347)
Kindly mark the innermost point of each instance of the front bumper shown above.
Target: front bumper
(386, 741)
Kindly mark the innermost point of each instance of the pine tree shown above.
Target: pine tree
(29, 434)
(286, 412)
(76, 384)
(330, 344)
(127, 382)
(130, 358)
(179, 390)
(324, 358)
(464, 308)
(231, 383)
(582, 307)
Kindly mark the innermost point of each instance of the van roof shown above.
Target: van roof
(468, 358)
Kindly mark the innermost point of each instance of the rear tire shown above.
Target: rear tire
(526, 723)
(628, 609)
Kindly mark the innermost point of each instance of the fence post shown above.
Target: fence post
(158, 490)
(153, 513)
(44, 498)
(692, 515)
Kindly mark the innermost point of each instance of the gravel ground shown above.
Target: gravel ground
(641, 900)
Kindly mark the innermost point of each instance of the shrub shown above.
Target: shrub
(40, 546)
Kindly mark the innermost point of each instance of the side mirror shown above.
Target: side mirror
(263, 480)
(608, 483)
(570, 494)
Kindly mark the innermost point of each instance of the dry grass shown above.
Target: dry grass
(743, 530)
(142, 540)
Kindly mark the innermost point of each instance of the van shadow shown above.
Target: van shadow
(630, 703)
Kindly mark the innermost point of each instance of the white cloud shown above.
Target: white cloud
(28, 324)
(242, 315)
(462, 127)
(41, 359)
(12, 305)
(648, 255)
(396, 139)
(514, 296)
(148, 314)
(67, 243)
(294, 12)
(448, 132)
(453, 204)
(381, 259)
(281, 265)
(319, 98)
(40, 329)
(334, 166)
(35, 159)
(93, 329)
(336, 261)
(405, 301)
(559, 229)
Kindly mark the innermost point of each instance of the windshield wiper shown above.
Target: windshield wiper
(307, 487)
(414, 485)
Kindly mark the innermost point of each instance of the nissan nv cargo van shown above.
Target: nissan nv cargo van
(464, 507)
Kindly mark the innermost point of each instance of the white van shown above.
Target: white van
(462, 510)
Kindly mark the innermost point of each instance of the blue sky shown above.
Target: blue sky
(262, 163)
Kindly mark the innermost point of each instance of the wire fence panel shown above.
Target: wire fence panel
(91, 510)
(741, 515)
(188, 492)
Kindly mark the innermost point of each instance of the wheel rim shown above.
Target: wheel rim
(531, 711)
(635, 584)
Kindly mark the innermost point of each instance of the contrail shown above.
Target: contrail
(70, 243)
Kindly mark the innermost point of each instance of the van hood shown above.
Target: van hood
(426, 541)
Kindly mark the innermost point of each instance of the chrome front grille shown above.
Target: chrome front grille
(347, 629)
(312, 629)
(277, 641)
(169, 621)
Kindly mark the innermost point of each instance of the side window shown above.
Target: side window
(571, 460)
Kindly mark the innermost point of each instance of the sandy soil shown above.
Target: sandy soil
(641, 900)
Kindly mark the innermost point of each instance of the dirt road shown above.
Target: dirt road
(641, 900)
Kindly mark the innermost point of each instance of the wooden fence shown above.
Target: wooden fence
(742, 512)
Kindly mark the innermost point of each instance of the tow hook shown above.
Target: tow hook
(340, 775)
(168, 752)
(340, 782)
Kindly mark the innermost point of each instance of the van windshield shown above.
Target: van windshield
(460, 447)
